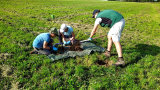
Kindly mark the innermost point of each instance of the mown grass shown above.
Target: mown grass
(22, 20)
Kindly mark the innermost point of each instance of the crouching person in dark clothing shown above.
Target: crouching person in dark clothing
(42, 44)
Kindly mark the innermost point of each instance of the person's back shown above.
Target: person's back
(110, 14)
(39, 40)
(69, 32)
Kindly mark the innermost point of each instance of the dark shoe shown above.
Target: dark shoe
(107, 54)
(120, 62)
(34, 52)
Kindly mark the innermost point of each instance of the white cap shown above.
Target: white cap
(63, 27)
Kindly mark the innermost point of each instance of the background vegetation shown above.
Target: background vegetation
(22, 20)
(136, 0)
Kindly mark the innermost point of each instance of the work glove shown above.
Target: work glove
(64, 42)
(89, 39)
(54, 48)
(68, 42)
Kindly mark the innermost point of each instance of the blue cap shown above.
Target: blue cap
(95, 11)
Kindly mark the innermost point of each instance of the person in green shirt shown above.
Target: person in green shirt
(115, 21)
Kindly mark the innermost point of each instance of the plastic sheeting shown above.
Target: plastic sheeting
(87, 47)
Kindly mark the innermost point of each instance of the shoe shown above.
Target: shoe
(107, 54)
(120, 62)
(34, 52)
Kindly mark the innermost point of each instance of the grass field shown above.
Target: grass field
(22, 20)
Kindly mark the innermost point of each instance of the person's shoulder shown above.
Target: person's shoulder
(61, 31)
(108, 10)
(45, 34)
(69, 26)
(98, 19)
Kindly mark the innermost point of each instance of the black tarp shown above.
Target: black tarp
(87, 47)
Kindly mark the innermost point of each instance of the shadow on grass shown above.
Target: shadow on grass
(143, 50)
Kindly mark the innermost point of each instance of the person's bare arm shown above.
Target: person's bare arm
(93, 30)
(45, 45)
(73, 36)
(63, 37)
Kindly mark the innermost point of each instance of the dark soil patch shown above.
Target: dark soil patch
(106, 63)
(75, 46)
(61, 49)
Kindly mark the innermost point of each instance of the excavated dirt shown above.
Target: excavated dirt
(75, 46)
(106, 63)
(61, 49)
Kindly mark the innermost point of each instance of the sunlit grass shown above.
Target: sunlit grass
(22, 20)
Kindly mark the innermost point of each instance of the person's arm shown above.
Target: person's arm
(60, 37)
(93, 30)
(45, 45)
(97, 22)
(73, 36)
(63, 37)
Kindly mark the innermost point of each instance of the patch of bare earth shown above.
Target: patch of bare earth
(7, 71)
(14, 86)
(4, 56)
(106, 63)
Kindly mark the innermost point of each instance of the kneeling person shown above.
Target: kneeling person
(66, 34)
(42, 44)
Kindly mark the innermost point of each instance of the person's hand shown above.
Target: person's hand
(89, 39)
(71, 39)
(64, 42)
(68, 42)
(54, 48)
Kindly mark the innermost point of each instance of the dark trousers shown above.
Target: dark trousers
(45, 51)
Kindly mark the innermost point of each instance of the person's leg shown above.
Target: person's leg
(109, 47)
(44, 52)
(109, 43)
(120, 60)
(116, 39)
(34, 51)
(118, 48)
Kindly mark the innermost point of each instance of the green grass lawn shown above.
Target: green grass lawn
(22, 20)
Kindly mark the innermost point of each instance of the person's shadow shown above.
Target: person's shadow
(143, 50)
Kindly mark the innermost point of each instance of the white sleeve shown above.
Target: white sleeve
(61, 30)
(98, 21)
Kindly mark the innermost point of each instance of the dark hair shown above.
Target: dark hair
(94, 12)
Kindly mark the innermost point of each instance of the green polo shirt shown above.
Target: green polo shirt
(109, 18)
